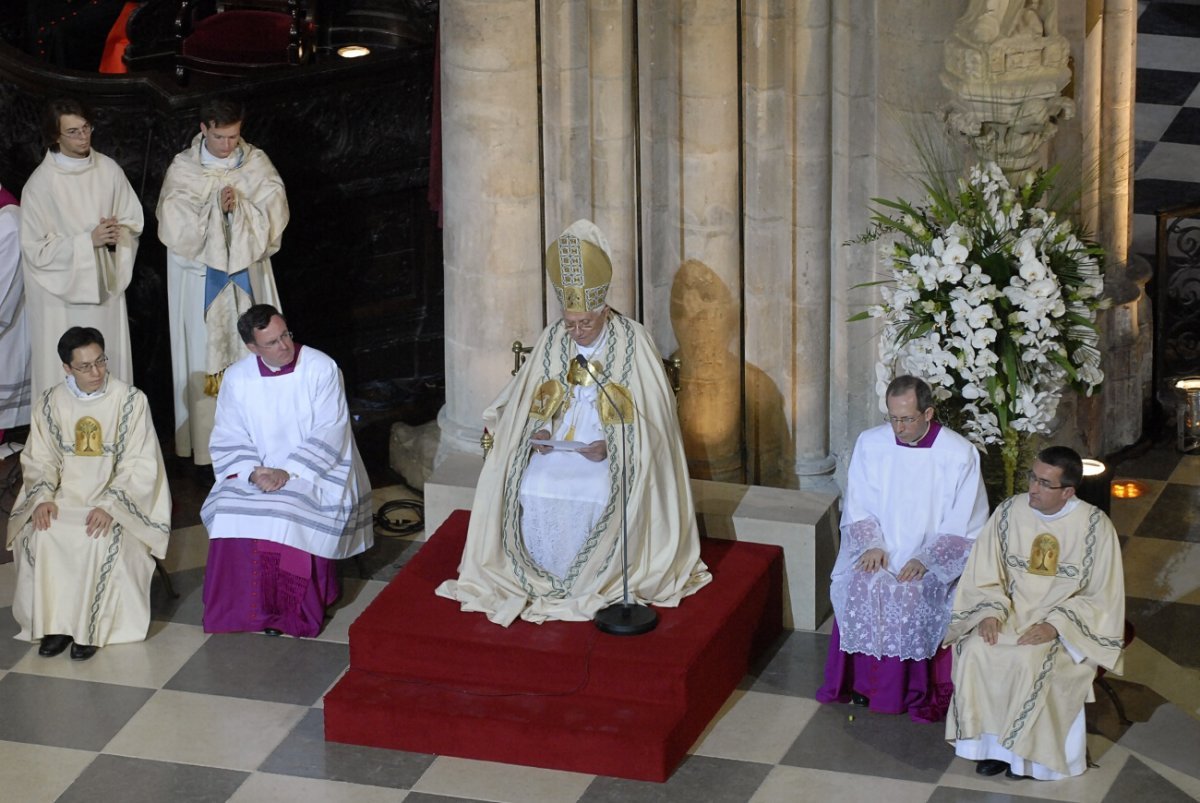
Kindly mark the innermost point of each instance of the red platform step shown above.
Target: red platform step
(426, 677)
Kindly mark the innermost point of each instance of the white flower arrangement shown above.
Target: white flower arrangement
(992, 299)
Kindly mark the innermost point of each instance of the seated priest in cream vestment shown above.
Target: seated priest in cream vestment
(93, 508)
(1040, 606)
(544, 540)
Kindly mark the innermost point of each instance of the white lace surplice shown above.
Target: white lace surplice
(880, 616)
(923, 503)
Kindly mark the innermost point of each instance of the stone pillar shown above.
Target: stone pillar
(1116, 418)
(492, 239)
(882, 103)
(566, 122)
(613, 140)
(703, 221)
(853, 346)
(589, 125)
(787, 250)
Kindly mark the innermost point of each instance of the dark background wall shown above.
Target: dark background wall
(360, 270)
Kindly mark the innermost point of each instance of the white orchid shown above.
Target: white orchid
(977, 307)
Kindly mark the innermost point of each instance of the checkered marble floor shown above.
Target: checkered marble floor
(238, 717)
(1167, 114)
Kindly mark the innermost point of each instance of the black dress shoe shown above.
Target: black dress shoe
(53, 645)
(82, 652)
(859, 699)
(991, 766)
(1010, 774)
(271, 631)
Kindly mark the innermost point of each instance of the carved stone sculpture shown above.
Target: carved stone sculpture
(1006, 66)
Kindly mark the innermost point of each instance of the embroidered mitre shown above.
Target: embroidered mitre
(579, 267)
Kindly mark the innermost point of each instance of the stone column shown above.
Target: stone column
(566, 122)
(589, 124)
(613, 139)
(1116, 420)
(885, 59)
(706, 214)
(787, 249)
(492, 239)
(853, 346)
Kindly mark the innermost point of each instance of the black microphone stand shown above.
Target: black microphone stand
(623, 618)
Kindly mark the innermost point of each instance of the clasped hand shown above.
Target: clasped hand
(269, 479)
(107, 232)
(875, 559)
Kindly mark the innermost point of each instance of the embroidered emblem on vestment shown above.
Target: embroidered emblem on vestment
(1043, 555)
(88, 438)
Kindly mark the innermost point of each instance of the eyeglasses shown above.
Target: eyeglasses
(902, 420)
(82, 132)
(1035, 479)
(585, 325)
(88, 367)
(277, 342)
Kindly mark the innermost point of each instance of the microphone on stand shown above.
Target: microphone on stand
(623, 618)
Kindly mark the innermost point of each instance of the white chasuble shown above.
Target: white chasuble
(499, 574)
(68, 281)
(296, 420)
(218, 264)
(1026, 569)
(86, 452)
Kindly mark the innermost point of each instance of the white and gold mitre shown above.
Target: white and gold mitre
(579, 267)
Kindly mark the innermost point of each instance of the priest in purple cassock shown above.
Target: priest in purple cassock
(292, 495)
(914, 504)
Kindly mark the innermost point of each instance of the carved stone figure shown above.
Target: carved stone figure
(1006, 66)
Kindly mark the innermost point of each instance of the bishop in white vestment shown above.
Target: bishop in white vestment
(544, 541)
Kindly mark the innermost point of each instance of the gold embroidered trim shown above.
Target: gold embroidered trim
(546, 400)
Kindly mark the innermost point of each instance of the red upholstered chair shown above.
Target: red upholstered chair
(241, 38)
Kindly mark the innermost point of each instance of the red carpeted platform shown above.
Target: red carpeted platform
(428, 678)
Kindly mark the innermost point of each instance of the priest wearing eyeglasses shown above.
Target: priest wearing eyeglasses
(80, 223)
(913, 506)
(292, 496)
(544, 540)
(93, 508)
(1041, 605)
